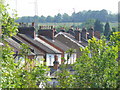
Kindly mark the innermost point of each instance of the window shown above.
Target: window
(50, 60)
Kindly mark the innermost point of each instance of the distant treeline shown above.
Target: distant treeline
(83, 16)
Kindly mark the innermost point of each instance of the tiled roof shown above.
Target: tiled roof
(47, 45)
(70, 37)
(56, 43)
(15, 45)
(31, 42)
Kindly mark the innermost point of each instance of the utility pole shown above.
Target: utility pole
(73, 17)
(36, 14)
(36, 7)
(16, 5)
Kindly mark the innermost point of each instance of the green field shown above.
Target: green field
(60, 24)
(68, 25)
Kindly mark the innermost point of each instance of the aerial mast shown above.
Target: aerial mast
(16, 5)
(36, 13)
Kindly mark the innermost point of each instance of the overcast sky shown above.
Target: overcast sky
(52, 7)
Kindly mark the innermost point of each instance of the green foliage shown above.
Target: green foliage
(115, 39)
(17, 73)
(25, 50)
(81, 16)
(58, 18)
(9, 27)
(98, 66)
(64, 76)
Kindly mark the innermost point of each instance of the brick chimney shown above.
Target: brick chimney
(56, 62)
(33, 24)
(91, 32)
(55, 31)
(49, 33)
(30, 31)
(77, 35)
(84, 34)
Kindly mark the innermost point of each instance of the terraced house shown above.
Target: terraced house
(49, 43)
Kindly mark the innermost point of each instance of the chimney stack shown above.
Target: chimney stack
(77, 34)
(33, 24)
(84, 34)
(91, 32)
(56, 62)
(30, 31)
(46, 31)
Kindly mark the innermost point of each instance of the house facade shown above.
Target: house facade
(47, 34)
(44, 53)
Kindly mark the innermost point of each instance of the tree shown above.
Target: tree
(64, 76)
(82, 16)
(98, 66)
(103, 15)
(115, 41)
(42, 19)
(58, 18)
(107, 29)
(16, 74)
(98, 26)
(49, 19)
(65, 18)
(13, 73)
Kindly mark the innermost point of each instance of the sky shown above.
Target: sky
(53, 7)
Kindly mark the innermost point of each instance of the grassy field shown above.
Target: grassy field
(113, 24)
(68, 25)
(60, 24)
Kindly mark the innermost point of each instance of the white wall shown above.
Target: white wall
(39, 60)
(72, 58)
(50, 59)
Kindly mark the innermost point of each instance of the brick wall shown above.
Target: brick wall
(30, 31)
(49, 33)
